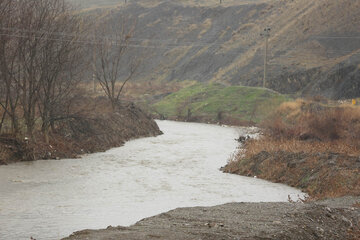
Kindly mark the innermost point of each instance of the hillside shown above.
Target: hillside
(218, 103)
(313, 48)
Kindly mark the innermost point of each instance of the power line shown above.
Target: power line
(107, 39)
(336, 37)
(75, 38)
(252, 36)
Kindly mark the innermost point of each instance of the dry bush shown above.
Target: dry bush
(318, 98)
(324, 125)
(277, 128)
(266, 144)
(306, 120)
(306, 145)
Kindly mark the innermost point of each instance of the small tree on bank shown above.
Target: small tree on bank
(111, 57)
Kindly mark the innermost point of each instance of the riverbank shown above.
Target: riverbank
(319, 156)
(321, 174)
(308, 145)
(94, 127)
(332, 219)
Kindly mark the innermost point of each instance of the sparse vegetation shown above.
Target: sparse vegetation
(309, 145)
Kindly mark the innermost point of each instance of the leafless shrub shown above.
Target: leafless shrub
(311, 121)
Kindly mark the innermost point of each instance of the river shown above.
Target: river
(51, 199)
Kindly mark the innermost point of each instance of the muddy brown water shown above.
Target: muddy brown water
(51, 199)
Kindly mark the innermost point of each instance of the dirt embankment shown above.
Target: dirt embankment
(318, 174)
(94, 128)
(335, 219)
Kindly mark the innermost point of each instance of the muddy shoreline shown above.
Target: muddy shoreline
(330, 219)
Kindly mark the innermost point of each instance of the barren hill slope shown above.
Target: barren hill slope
(313, 48)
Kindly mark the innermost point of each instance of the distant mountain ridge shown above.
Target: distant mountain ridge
(314, 47)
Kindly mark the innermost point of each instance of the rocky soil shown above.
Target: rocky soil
(331, 219)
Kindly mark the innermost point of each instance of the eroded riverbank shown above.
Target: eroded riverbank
(94, 128)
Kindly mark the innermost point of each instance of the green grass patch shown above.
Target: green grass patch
(215, 100)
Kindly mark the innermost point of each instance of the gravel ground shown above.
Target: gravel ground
(329, 219)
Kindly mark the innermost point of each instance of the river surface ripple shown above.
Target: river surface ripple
(52, 199)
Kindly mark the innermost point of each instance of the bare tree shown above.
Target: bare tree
(41, 57)
(4, 101)
(111, 57)
(61, 66)
(9, 66)
(38, 52)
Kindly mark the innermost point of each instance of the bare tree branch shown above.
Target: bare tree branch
(110, 57)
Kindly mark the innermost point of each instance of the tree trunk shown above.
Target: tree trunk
(4, 114)
(15, 125)
(45, 131)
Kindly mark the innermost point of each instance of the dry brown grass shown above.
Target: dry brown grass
(309, 120)
(307, 145)
(270, 145)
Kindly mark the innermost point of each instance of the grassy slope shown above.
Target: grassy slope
(207, 100)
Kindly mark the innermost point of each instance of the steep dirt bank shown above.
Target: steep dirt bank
(93, 129)
(333, 219)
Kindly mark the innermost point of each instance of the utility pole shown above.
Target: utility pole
(94, 66)
(266, 34)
